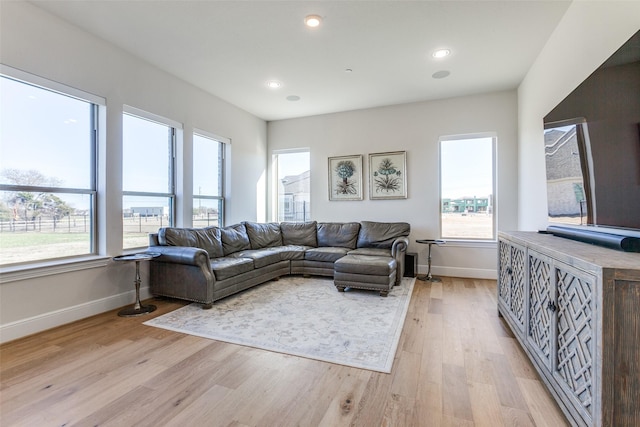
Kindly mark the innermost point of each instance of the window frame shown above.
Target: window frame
(275, 200)
(174, 127)
(222, 148)
(96, 104)
(493, 197)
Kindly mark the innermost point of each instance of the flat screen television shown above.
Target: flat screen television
(592, 154)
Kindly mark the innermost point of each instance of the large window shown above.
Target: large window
(467, 187)
(291, 173)
(208, 173)
(148, 176)
(48, 137)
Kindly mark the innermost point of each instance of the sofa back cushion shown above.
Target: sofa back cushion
(234, 239)
(300, 233)
(264, 235)
(338, 234)
(204, 238)
(381, 234)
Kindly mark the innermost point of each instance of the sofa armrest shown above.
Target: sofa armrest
(398, 249)
(181, 255)
(399, 246)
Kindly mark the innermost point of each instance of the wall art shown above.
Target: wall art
(388, 175)
(345, 178)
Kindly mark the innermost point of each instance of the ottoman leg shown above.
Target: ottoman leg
(384, 293)
(340, 288)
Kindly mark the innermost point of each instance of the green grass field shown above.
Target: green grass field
(22, 239)
(18, 247)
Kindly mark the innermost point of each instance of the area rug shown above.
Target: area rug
(304, 317)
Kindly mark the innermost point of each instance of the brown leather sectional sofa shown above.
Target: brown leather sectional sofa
(206, 264)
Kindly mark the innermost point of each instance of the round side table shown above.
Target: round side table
(137, 309)
(428, 277)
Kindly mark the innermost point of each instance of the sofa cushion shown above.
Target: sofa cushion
(264, 235)
(290, 252)
(207, 238)
(371, 251)
(234, 239)
(326, 254)
(381, 234)
(300, 233)
(338, 234)
(226, 267)
(261, 257)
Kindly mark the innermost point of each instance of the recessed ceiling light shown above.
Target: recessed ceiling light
(293, 98)
(312, 21)
(273, 84)
(440, 74)
(441, 53)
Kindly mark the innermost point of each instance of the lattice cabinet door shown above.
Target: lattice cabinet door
(541, 307)
(504, 274)
(575, 341)
(511, 283)
(518, 278)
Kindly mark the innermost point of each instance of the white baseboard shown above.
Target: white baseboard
(471, 273)
(22, 328)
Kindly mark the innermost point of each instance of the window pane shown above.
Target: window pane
(294, 186)
(207, 166)
(466, 179)
(207, 212)
(146, 157)
(143, 215)
(47, 140)
(37, 226)
(45, 137)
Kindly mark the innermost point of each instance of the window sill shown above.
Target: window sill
(48, 268)
(483, 244)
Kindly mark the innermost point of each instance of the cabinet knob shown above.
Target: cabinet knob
(509, 271)
(552, 306)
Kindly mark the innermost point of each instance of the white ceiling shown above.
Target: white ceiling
(232, 48)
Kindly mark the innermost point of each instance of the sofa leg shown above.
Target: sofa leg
(207, 306)
(340, 288)
(275, 279)
(306, 276)
(384, 293)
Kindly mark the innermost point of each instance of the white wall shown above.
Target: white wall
(36, 42)
(589, 32)
(414, 128)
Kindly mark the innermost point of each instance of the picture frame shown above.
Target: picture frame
(388, 175)
(345, 177)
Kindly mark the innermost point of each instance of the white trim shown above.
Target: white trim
(50, 267)
(479, 244)
(470, 273)
(46, 84)
(205, 134)
(137, 112)
(292, 151)
(42, 322)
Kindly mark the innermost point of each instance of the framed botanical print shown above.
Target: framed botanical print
(345, 178)
(388, 175)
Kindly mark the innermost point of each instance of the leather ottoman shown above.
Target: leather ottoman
(376, 273)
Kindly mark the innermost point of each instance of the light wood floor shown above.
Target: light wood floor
(457, 364)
